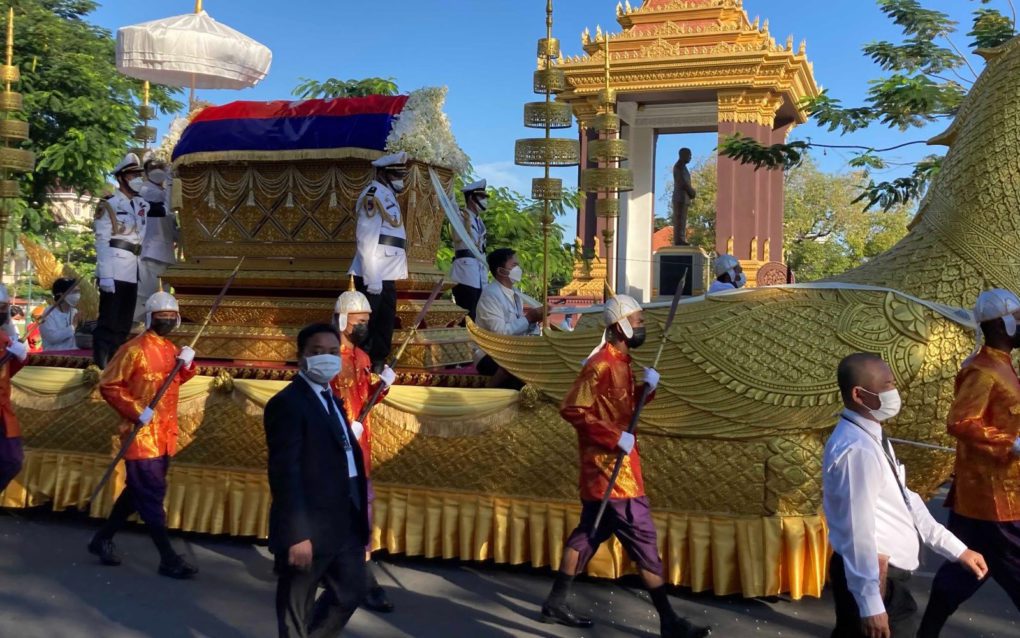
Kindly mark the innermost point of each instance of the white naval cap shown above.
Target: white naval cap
(724, 264)
(480, 185)
(394, 160)
(130, 161)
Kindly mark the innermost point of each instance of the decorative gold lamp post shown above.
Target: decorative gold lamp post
(547, 151)
(608, 180)
(144, 134)
(13, 133)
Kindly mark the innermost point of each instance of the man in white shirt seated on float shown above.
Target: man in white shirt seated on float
(729, 275)
(58, 329)
(875, 522)
(501, 310)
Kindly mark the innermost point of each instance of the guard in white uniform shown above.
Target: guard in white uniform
(119, 228)
(58, 329)
(161, 234)
(381, 258)
(729, 275)
(469, 273)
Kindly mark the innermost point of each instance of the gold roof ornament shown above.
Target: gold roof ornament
(13, 133)
(547, 151)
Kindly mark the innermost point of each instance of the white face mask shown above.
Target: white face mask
(741, 280)
(398, 185)
(321, 368)
(482, 204)
(889, 407)
(157, 176)
(516, 274)
(73, 299)
(136, 184)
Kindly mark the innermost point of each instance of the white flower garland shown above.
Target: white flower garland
(423, 130)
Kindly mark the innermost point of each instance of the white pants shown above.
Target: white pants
(149, 272)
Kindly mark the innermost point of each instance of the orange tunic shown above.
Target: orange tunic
(600, 406)
(131, 380)
(985, 418)
(10, 426)
(354, 386)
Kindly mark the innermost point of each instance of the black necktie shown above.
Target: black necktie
(355, 489)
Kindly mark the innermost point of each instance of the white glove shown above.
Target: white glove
(374, 289)
(358, 429)
(106, 285)
(145, 416)
(1016, 447)
(388, 376)
(626, 442)
(186, 355)
(652, 378)
(18, 349)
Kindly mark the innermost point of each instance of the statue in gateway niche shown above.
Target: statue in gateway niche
(683, 195)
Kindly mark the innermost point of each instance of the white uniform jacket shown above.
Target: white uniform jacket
(161, 231)
(119, 247)
(58, 330)
(380, 234)
(467, 269)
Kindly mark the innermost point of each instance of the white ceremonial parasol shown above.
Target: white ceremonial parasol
(191, 51)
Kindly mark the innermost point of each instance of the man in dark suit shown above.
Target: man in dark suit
(318, 524)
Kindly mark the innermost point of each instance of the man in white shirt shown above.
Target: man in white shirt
(58, 329)
(875, 522)
(729, 274)
(501, 310)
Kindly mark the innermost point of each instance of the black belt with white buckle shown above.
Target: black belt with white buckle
(390, 240)
(134, 249)
(463, 254)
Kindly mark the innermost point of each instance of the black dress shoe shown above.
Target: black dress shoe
(105, 550)
(562, 614)
(377, 600)
(180, 569)
(677, 627)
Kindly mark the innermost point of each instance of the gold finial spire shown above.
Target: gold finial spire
(160, 279)
(350, 285)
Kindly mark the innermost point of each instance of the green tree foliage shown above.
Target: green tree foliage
(81, 111)
(310, 89)
(826, 231)
(514, 221)
(927, 78)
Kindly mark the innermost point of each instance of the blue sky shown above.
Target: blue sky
(484, 51)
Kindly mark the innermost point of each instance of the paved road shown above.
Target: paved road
(51, 588)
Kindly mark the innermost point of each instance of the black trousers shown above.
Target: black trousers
(899, 603)
(116, 314)
(382, 322)
(342, 573)
(467, 298)
(999, 543)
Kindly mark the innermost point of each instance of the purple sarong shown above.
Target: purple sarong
(631, 520)
(146, 482)
(12, 457)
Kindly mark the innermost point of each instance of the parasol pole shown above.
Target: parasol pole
(191, 96)
(4, 213)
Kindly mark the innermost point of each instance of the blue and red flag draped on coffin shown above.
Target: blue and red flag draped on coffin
(315, 127)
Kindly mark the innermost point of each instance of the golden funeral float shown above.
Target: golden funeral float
(731, 447)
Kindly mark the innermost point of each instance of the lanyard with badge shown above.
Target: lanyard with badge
(892, 464)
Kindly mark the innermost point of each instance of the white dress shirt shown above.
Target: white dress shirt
(866, 512)
(720, 286)
(57, 331)
(352, 467)
(501, 310)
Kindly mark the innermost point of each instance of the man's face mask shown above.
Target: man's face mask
(359, 333)
(163, 325)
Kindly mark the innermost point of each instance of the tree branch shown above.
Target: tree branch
(962, 57)
(867, 148)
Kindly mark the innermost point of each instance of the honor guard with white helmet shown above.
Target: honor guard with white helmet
(120, 228)
(161, 233)
(469, 273)
(130, 381)
(381, 258)
(729, 274)
(600, 406)
(984, 499)
(12, 455)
